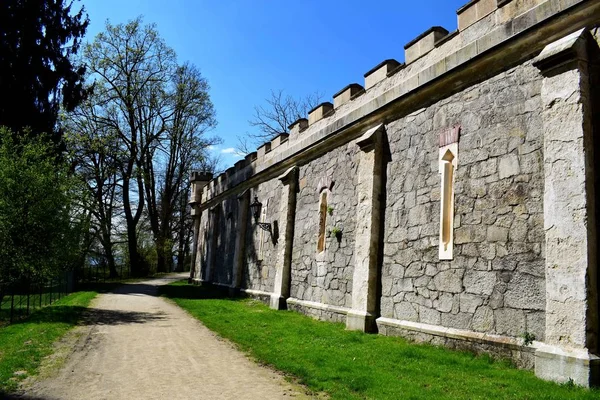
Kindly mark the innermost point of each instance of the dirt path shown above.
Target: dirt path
(135, 345)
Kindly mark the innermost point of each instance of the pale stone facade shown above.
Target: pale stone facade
(494, 125)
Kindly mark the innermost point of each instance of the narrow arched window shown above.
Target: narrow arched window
(447, 165)
(322, 221)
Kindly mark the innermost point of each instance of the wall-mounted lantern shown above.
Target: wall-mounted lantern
(273, 230)
(255, 208)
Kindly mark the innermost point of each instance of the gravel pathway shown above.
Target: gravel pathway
(134, 345)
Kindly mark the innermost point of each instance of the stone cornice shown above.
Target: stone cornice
(289, 175)
(368, 141)
(568, 49)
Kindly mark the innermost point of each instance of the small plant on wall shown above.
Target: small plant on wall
(330, 210)
(335, 232)
(528, 338)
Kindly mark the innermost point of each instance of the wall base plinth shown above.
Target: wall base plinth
(360, 321)
(278, 302)
(554, 363)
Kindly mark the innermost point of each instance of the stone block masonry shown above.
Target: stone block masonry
(357, 214)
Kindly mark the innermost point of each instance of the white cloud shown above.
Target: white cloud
(233, 152)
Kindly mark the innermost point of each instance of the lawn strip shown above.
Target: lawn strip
(24, 344)
(352, 365)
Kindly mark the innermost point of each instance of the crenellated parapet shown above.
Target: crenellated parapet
(498, 29)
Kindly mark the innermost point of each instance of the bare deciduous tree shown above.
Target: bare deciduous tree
(158, 113)
(94, 154)
(131, 65)
(167, 166)
(274, 118)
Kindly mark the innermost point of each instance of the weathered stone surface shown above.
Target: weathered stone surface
(459, 320)
(510, 322)
(526, 292)
(469, 302)
(498, 192)
(428, 315)
(483, 319)
(406, 311)
(508, 166)
(536, 324)
(449, 281)
(480, 282)
(497, 234)
(337, 265)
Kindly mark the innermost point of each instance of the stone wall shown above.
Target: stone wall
(516, 81)
(201, 260)
(495, 283)
(326, 278)
(259, 267)
(228, 225)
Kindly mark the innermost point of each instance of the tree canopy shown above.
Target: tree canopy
(135, 140)
(38, 39)
(38, 234)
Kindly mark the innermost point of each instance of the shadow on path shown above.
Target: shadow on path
(22, 397)
(77, 315)
(206, 292)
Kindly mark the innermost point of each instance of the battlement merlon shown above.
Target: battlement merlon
(347, 94)
(198, 180)
(321, 111)
(485, 43)
(298, 127)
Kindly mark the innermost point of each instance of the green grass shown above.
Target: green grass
(24, 344)
(20, 303)
(352, 365)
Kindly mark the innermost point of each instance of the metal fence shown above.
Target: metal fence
(101, 273)
(20, 299)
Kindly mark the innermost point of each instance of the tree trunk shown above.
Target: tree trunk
(135, 260)
(136, 264)
(112, 268)
(161, 257)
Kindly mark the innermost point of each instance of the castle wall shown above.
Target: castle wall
(495, 283)
(259, 267)
(326, 277)
(227, 225)
(451, 200)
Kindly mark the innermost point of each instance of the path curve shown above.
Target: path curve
(139, 346)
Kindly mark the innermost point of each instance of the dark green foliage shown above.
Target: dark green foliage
(37, 235)
(37, 39)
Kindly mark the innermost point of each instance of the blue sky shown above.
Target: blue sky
(246, 48)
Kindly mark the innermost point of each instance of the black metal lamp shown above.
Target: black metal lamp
(256, 207)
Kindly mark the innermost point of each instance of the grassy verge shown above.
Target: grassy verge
(24, 344)
(352, 365)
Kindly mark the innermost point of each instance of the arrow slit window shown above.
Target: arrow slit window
(448, 162)
(322, 221)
